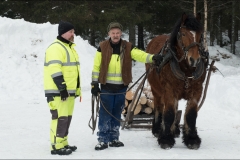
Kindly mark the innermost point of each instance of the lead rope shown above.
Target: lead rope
(94, 119)
(206, 86)
(97, 98)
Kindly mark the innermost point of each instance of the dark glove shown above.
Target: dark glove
(64, 94)
(95, 88)
(157, 59)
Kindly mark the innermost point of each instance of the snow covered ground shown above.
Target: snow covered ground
(25, 116)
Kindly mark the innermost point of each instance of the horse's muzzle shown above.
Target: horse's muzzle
(193, 62)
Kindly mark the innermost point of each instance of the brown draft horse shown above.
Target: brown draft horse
(181, 77)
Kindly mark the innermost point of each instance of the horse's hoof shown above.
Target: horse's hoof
(191, 140)
(166, 146)
(167, 141)
(193, 146)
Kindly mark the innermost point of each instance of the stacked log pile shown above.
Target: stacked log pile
(145, 104)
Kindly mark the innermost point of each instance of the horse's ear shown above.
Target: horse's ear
(198, 17)
(184, 17)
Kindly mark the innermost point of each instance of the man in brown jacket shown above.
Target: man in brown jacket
(113, 70)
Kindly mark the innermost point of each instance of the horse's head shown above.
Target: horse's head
(189, 38)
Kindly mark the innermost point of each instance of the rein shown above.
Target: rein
(94, 98)
(211, 68)
(94, 119)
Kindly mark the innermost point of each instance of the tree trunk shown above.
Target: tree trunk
(92, 38)
(211, 22)
(229, 27)
(140, 37)
(132, 33)
(237, 22)
(233, 27)
(194, 7)
(205, 25)
(219, 30)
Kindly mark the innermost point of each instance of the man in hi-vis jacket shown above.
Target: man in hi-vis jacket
(61, 86)
(113, 70)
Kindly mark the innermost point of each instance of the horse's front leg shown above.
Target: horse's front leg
(167, 133)
(190, 136)
(157, 119)
(176, 122)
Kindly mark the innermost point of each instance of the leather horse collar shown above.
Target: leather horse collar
(180, 74)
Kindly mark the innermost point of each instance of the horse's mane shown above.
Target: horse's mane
(191, 23)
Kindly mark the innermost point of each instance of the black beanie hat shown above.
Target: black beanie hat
(63, 27)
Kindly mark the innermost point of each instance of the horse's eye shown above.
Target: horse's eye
(183, 34)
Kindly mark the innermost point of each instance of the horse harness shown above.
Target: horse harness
(185, 49)
(170, 56)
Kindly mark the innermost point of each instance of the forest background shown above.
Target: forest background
(142, 19)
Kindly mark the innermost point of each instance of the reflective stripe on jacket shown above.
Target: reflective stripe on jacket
(61, 60)
(114, 73)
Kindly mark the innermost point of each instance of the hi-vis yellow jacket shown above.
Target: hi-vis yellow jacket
(61, 69)
(114, 73)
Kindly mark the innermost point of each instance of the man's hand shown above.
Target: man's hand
(64, 94)
(95, 88)
(157, 59)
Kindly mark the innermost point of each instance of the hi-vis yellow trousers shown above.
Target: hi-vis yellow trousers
(61, 118)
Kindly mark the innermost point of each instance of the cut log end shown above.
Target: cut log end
(129, 95)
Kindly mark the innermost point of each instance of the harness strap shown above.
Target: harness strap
(166, 58)
(176, 70)
(191, 45)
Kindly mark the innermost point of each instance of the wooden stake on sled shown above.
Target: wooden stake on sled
(129, 117)
(145, 120)
(141, 121)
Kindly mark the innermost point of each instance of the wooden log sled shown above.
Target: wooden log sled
(140, 113)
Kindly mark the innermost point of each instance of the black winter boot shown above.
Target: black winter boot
(101, 146)
(73, 148)
(62, 151)
(116, 143)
